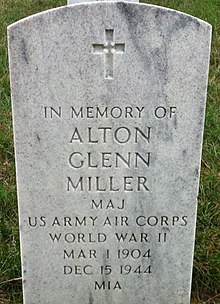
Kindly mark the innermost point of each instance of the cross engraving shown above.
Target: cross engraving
(109, 49)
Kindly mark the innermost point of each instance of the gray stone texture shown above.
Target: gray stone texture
(69, 2)
(145, 69)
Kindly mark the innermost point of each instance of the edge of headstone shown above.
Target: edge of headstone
(71, 2)
(70, 6)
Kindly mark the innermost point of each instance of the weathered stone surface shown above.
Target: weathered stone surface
(108, 109)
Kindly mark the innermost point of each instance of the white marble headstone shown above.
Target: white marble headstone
(108, 109)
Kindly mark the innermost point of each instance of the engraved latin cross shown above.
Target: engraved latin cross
(108, 49)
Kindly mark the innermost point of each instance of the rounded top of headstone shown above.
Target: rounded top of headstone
(128, 10)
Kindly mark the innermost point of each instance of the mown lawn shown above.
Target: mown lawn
(206, 275)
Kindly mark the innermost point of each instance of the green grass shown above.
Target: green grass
(206, 275)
